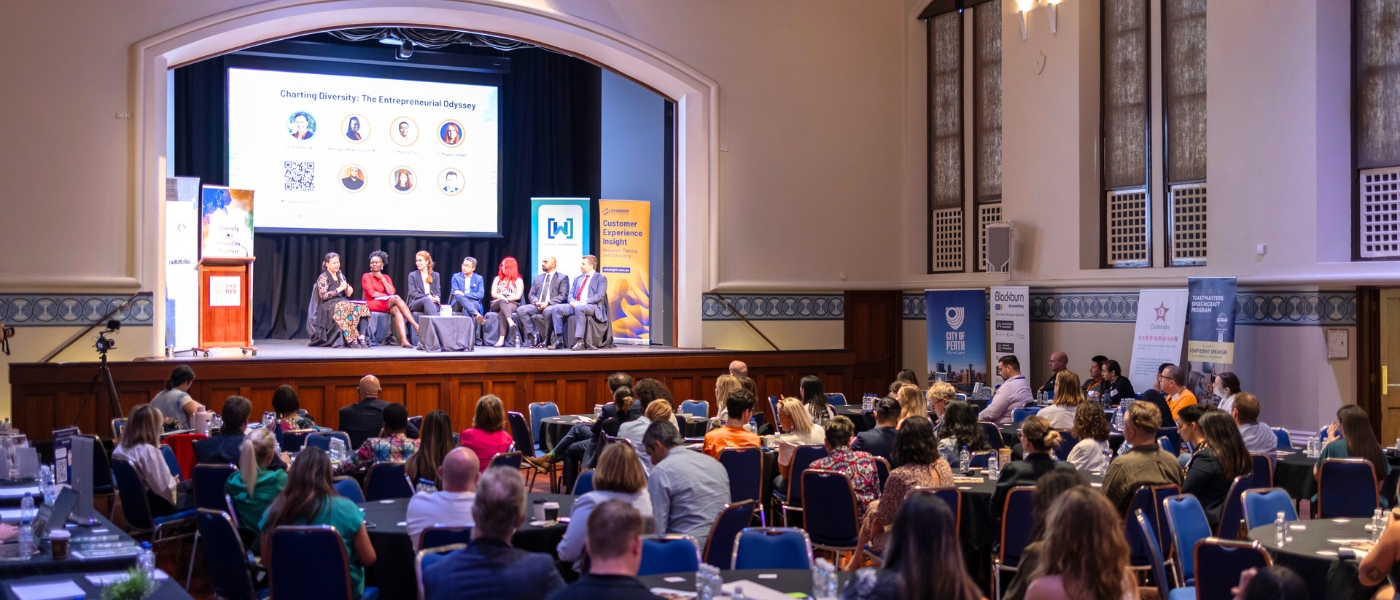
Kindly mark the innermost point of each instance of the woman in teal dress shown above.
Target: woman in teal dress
(1350, 436)
(310, 499)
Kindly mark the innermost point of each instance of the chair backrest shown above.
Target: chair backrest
(1262, 506)
(719, 547)
(979, 460)
(1020, 414)
(670, 553)
(837, 399)
(1159, 569)
(118, 425)
(584, 483)
(1187, 520)
(308, 561)
(1172, 434)
(1284, 443)
(318, 440)
(292, 441)
(949, 495)
(772, 548)
(224, 555)
(1220, 562)
(1016, 524)
(349, 489)
(429, 555)
(882, 470)
(1346, 487)
(135, 507)
(520, 431)
(1263, 471)
(1067, 443)
(802, 458)
(173, 463)
(1167, 445)
(831, 513)
(209, 483)
(538, 412)
(1148, 498)
(387, 480)
(773, 408)
(745, 468)
(1232, 514)
(508, 459)
(102, 477)
(442, 535)
(993, 435)
(698, 408)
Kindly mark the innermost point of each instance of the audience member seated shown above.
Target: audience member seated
(310, 499)
(1273, 583)
(624, 399)
(365, 418)
(912, 402)
(1219, 459)
(288, 408)
(960, 429)
(938, 396)
(1013, 393)
(894, 389)
(1068, 399)
(1144, 464)
(489, 434)
(644, 393)
(1258, 437)
(1092, 451)
(738, 369)
(815, 400)
(920, 466)
(1047, 490)
(857, 466)
(798, 430)
(225, 446)
(619, 476)
(1119, 388)
(392, 445)
(490, 568)
(451, 505)
(434, 442)
(1157, 398)
(1351, 436)
(1379, 563)
(175, 401)
(739, 407)
(688, 489)
(724, 385)
(1188, 426)
(255, 485)
(614, 531)
(1058, 362)
(1095, 382)
(633, 430)
(923, 558)
(879, 440)
(907, 376)
(1085, 553)
(140, 446)
(381, 297)
(1227, 387)
(1037, 440)
(1173, 381)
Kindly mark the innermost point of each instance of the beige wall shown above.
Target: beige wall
(788, 335)
(31, 344)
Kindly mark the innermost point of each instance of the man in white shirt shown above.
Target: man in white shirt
(452, 505)
(1258, 437)
(1014, 392)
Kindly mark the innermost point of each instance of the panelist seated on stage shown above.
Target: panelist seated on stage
(588, 301)
(424, 286)
(548, 290)
(468, 288)
(381, 297)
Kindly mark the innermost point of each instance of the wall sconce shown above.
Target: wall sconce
(1024, 6)
(1051, 4)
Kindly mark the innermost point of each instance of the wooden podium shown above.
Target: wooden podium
(226, 304)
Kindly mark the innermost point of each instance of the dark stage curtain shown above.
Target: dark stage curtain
(551, 139)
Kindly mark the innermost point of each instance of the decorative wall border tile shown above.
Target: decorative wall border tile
(1335, 308)
(776, 307)
(68, 310)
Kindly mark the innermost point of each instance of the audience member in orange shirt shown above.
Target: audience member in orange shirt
(739, 404)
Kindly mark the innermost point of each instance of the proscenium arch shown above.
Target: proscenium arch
(696, 96)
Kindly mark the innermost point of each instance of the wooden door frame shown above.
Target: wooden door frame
(896, 337)
(1368, 354)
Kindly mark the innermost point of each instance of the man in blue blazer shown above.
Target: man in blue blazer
(587, 300)
(550, 288)
(467, 290)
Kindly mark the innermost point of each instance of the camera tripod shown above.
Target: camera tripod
(103, 374)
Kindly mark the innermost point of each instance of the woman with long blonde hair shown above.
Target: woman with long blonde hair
(255, 485)
(1086, 554)
(1068, 398)
(619, 476)
(797, 430)
(140, 446)
(911, 403)
(724, 386)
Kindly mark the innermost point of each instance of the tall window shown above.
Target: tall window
(1127, 215)
(1184, 83)
(1376, 93)
(986, 75)
(945, 133)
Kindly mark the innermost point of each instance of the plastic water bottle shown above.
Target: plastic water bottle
(963, 459)
(1103, 466)
(1280, 530)
(752, 425)
(993, 466)
(26, 530)
(147, 560)
(46, 485)
(824, 581)
(1377, 524)
(738, 593)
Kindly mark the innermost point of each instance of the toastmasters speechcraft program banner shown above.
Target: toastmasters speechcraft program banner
(1011, 326)
(626, 260)
(226, 223)
(560, 227)
(1212, 322)
(1161, 319)
(957, 335)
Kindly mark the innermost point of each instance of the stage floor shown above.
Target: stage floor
(275, 350)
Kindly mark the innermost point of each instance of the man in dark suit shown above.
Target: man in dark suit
(615, 553)
(549, 288)
(588, 300)
(223, 448)
(880, 440)
(365, 419)
(490, 568)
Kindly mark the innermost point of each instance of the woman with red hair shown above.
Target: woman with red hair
(424, 286)
(506, 290)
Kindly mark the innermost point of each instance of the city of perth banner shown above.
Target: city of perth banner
(957, 336)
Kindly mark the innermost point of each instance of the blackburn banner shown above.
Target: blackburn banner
(559, 227)
(1011, 326)
(626, 260)
(957, 336)
(1161, 319)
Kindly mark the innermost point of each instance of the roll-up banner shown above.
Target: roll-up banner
(1011, 326)
(559, 227)
(226, 223)
(626, 260)
(182, 231)
(1161, 321)
(1210, 345)
(957, 336)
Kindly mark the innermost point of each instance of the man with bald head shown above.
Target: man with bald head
(550, 288)
(451, 505)
(365, 419)
(1058, 361)
(739, 369)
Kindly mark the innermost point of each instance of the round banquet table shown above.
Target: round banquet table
(979, 529)
(1313, 551)
(555, 428)
(787, 581)
(393, 573)
(864, 421)
(1294, 472)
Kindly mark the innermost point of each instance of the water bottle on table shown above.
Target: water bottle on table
(26, 531)
(964, 459)
(147, 560)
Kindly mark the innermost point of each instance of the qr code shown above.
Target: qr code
(299, 176)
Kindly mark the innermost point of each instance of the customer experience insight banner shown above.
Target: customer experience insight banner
(957, 336)
(625, 259)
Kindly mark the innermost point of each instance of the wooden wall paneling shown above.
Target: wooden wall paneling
(576, 396)
(345, 395)
(425, 398)
(392, 392)
(312, 400)
(544, 390)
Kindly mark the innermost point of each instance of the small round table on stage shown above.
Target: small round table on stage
(1313, 551)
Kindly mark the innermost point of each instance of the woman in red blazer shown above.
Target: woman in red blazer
(381, 297)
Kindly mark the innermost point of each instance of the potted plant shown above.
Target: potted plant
(135, 586)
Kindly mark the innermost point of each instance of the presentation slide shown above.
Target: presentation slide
(359, 154)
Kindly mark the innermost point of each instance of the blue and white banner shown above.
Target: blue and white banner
(957, 336)
(1011, 326)
(1161, 320)
(1212, 322)
(559, 227)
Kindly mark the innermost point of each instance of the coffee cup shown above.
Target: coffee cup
(58, 541)
(538, 511)
(551, 511)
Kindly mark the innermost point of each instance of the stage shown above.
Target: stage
(47, 396)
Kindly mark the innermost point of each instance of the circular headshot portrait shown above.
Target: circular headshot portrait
(352, 178)
(450, 181)
(301, 125)
(355, 128)
(403, 179)
(450, 133)
(403, 131)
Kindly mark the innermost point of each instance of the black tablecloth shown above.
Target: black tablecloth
(393, 572)
(44, 564)
(167, 590)
(446, 334)
(786, 581)
(555, 428)
(1310, 554)
(864, 420)
(1294, 472)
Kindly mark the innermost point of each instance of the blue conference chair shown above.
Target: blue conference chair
(745, 468)
(118, 426)
(882, 471)
(538, 412)
(426, 558)
(1284, 443)
(979, 460)
(696, 408)
(950, 495)
(772, 548)
(225, 557)
(1067, 442)
(1188, 524)
(525, 443)
(309, 561)
(1262, 506)
(387, 480)
(323, 440)
(349, 489)
(1262, 474)
(1020, 414)
(1016, 525)
(441, 535)
(993, 435)
(1232, 514)
(1220, 562)
(831, 514)
(1346, 487)
(1159, 569)
(506, 459)
(719, 547)
(1147, 498)
(137, 510)
(670, 553)
(837, 399)
(802, 458)
(173, 463)
(584, 483)
(209, 480)
(1174, 436)
(292, 441)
